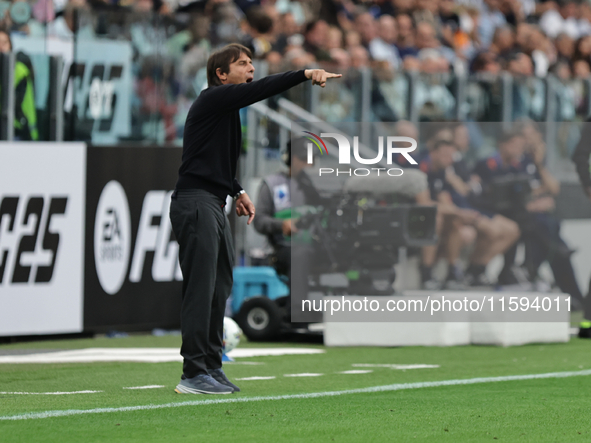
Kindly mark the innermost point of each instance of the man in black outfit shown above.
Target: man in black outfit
(211, 146)
(581, 158)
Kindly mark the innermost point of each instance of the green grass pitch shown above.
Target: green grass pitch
(536, 410)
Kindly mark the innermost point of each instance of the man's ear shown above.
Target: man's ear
(223, 76)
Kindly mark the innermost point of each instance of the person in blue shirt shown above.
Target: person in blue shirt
(528, 200)
(493, 233)
(581, 158)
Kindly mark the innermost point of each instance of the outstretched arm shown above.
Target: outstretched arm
(236, 96)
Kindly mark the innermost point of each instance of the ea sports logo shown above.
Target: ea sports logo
(112, 237)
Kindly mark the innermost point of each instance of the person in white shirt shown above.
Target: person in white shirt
(565, 20)
(383, 47)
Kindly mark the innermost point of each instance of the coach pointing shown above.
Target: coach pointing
(211, 146)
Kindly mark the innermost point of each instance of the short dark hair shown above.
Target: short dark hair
(259, 20)
(441, 143)
(222, 59)
(510, 134)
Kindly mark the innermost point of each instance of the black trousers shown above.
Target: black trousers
(206, 254)
(541, 235)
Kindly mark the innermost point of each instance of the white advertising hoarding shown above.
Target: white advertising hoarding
(42, 203)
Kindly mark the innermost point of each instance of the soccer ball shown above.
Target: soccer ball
(232, 333)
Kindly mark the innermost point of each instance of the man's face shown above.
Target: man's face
(318, 34)
(404, 26)
(240, 71)
(462, 138)
(387, 29)
(366, 26)
(288, 25)
(425, 36)
(359, 57)
(443, 157)
(4, 43)
(513, 149)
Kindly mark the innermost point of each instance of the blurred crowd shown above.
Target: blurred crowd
(172, 39)
(523, 37)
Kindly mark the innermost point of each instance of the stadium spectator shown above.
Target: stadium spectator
(25, 114)
(583, 49)
(564, 20)
(365, 25)
(581, 69)
(520, 157)
(352, 39)
(541, 51)
(461, 140)
(288, 33)
(581, 158)
(562, 70)
(449, 22)
(359, 57)
(334, 39)
(503, 41)
(380, 108)
(485, 62)
(157, 89)
(196, 49)
(296, 56)
(316, 36)
(74, 19)
(512, 10)
(565, 47)
(402, 7)
(430, 48)
(520, 64)
(490, 18)
(383, 47)
(450, 220)
(522, 31)
(225, 17)
(259, 28)
(494, 233)
(426, 11)
(406, 37)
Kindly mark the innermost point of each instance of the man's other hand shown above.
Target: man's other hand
(244, 206)
(320, 76)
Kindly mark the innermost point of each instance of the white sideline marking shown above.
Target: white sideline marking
(252, 363)
(357, 371)
(257, 378)
(395, 387)
(145, 387)
(146, 355)
(392, 366)
(303, 374)
(49, 393)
